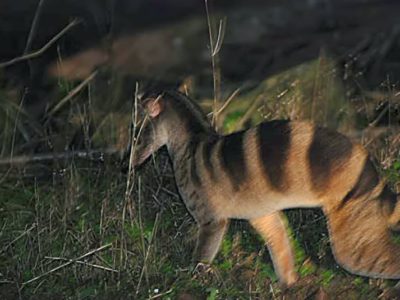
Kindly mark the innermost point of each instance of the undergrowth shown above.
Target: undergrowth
(48, 223)
(68, 229)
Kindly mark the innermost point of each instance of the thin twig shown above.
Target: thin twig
(134, 140)
(161, 294)
(143, 271)
(16, 124)
(228, 101)
(214, 61)
(83, 263)
(66, 264)
(96, 155)
(130, 180)
(35, 22)
(249, 112)
(39, 52)
(380, 116)
(14, 135)
(72, 94)
(220, 37)
(18, 237)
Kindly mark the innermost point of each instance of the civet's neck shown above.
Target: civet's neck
(186, 125)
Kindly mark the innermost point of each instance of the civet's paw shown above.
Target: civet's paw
(204, 273)
(202, 269)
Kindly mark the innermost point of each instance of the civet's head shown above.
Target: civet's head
(147, 137)
(166, 118)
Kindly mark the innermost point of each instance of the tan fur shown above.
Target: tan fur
(361, 242)
(272, 228)
(394, 218)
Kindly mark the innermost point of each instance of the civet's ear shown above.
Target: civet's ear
(154, 106)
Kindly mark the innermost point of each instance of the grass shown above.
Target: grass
(46, 222)
(69, 229)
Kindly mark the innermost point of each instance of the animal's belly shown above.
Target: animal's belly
(253, 204)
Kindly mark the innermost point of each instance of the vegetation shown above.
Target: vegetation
(70, 229)
(83, 229)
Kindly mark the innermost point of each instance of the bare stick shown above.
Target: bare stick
(39, 52)
(83, 263)
(97, 155)
(66, 264)
(72, 94)
(214, 59)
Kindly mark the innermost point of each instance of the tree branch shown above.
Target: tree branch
(39, 52)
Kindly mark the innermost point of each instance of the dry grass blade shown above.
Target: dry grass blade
(247, 115)
(67, 264)
(130, 177)
(83, 263)
(214, 50)
(39, 52)
(228, 101)
(220, 37)
(161, 294)
(153, 233)
(16, 125)
(130, 180)
(35, 22)
(19, 237)
(71, 94)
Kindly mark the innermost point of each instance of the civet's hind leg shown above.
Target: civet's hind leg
(272, 228)
(209, 239)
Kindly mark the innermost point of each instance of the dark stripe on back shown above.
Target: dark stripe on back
(329, 149)
(274, 143)
(232, 158)
(207, 154)
(367, 181)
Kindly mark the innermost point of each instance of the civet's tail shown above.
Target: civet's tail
(364, 235)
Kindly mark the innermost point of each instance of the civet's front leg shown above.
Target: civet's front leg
(209, 239)
(272, 228)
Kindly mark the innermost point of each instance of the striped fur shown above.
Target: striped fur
(274, 143)
(254, 174)
(232, 159)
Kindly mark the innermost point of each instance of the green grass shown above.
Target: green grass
(59, 211)
(44, 223)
